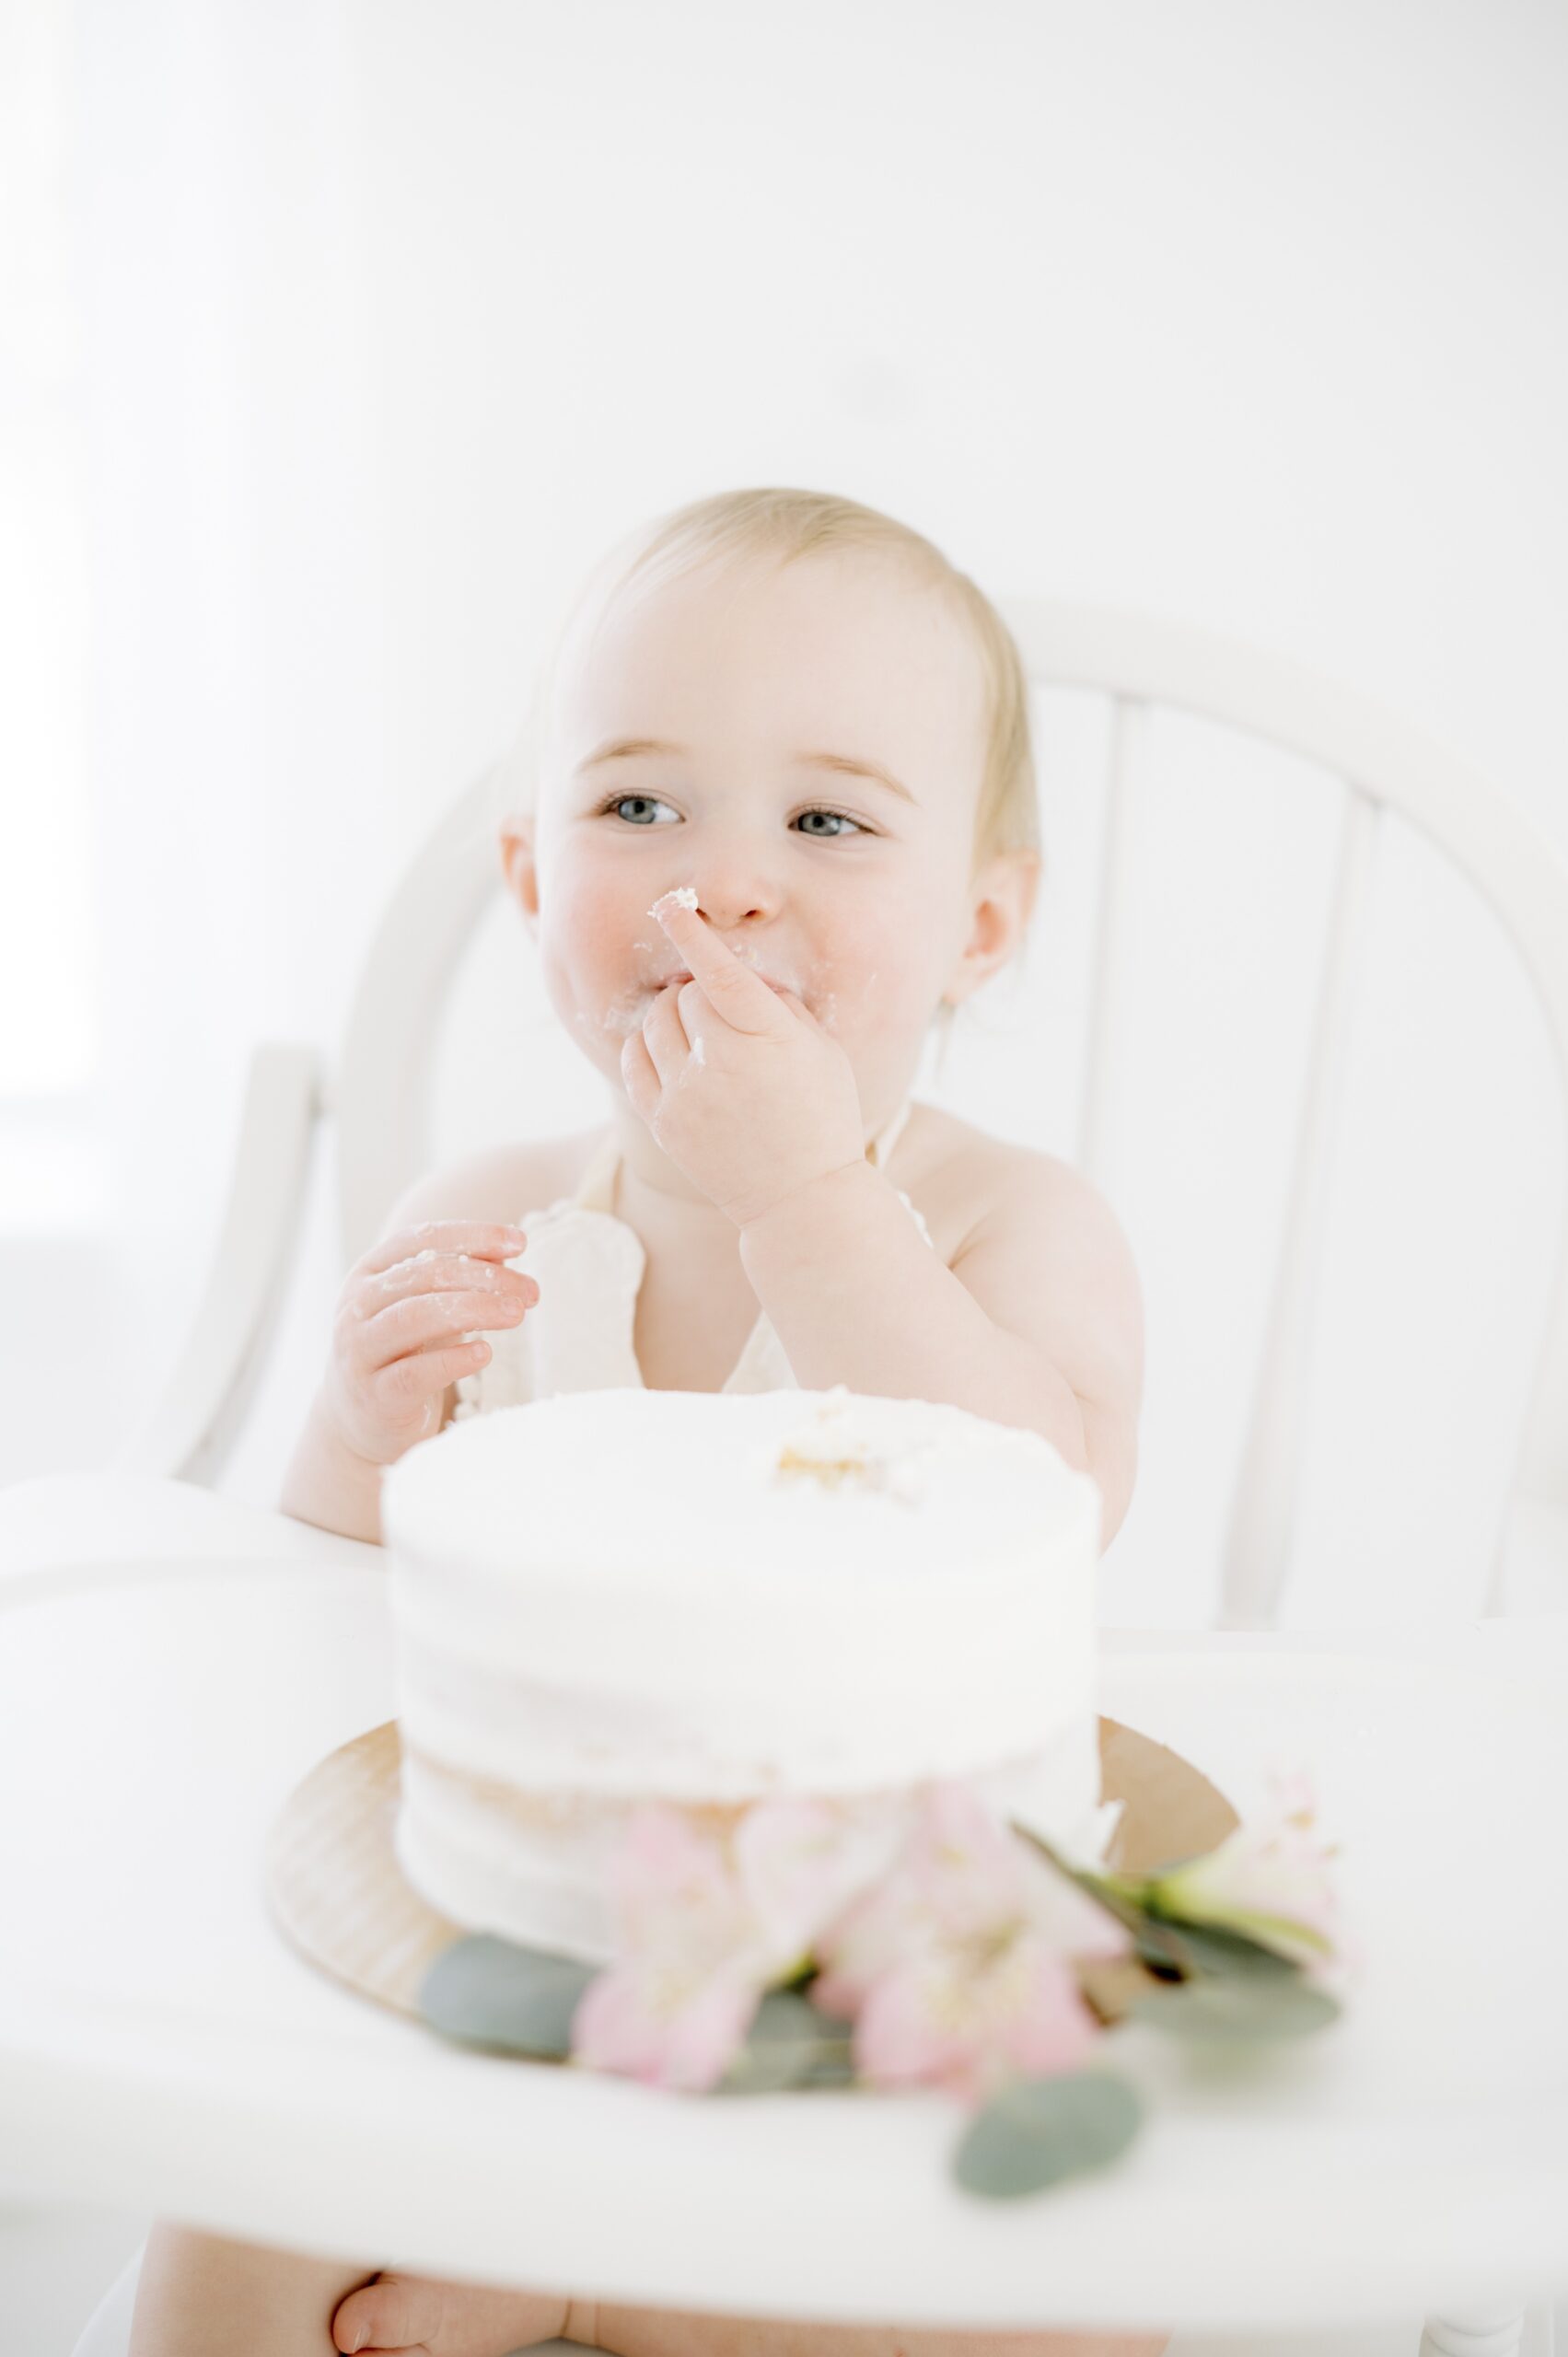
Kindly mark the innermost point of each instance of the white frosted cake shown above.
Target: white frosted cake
(609, 1596)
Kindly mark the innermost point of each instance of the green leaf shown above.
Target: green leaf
(1155, 1940)
(790, 2044)
(1036, 2132)
(1166, 1938)
(1085, 1877)
(1156, 1943)
(1228, 1955)
(485, 1991)
(1238, 2008)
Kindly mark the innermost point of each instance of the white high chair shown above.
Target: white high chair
(378, 1092)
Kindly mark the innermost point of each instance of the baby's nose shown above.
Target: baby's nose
(742, 896)
(737, 871)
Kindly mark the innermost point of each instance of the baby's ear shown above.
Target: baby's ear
(517, 863)
(1002, 897)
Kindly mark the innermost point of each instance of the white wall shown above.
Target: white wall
(398, 313)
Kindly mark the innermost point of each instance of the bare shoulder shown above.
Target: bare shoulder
(1037, 1243)
(965, 1176)
(950, 1170)
(499, 1183)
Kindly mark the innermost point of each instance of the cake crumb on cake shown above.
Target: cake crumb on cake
(832, 1448)
(828, 1467)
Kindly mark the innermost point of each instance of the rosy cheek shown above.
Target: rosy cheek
(851, 988)
(591, 932)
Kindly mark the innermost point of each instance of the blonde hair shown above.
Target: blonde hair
(791, 525)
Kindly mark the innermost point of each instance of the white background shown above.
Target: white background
(395, 314)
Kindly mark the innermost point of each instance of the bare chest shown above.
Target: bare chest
(695, 1312)
(692, 1322)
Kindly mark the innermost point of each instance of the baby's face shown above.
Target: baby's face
(690, 746)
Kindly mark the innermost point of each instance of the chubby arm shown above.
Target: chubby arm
(1039, 1322)
(1051, 1262)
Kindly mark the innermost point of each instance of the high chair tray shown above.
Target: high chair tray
(163, 2048)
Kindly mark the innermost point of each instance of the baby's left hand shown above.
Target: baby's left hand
(740, 1084)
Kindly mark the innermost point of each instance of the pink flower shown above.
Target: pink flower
(955, 1969)
(705, 1925)
(801, 1862)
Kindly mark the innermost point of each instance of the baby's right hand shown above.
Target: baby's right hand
(402, 1305)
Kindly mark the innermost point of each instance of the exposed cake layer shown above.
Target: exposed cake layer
(532, 1866)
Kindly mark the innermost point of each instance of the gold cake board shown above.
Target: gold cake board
(338, 1892)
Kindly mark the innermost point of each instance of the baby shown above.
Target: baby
(779, 819)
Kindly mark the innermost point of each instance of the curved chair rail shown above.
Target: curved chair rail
(192, 1425)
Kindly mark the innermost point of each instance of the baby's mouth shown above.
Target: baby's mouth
(675, 980)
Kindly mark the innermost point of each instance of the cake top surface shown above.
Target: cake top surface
(753, 1483)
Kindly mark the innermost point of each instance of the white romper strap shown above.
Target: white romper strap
(882, 1146)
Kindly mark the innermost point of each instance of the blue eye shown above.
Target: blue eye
(617, 802)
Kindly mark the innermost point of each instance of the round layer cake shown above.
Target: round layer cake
(605, 1598)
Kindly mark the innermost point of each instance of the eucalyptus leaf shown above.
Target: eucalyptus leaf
(1216, 1949)
(1169, 1939)
(1096, 1885)
(1237, 2008)
(1038, 1841)
(1157, 1943)
(486, 1991)
(1036, 2132)
(790, 2044)
(1162, 1946)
